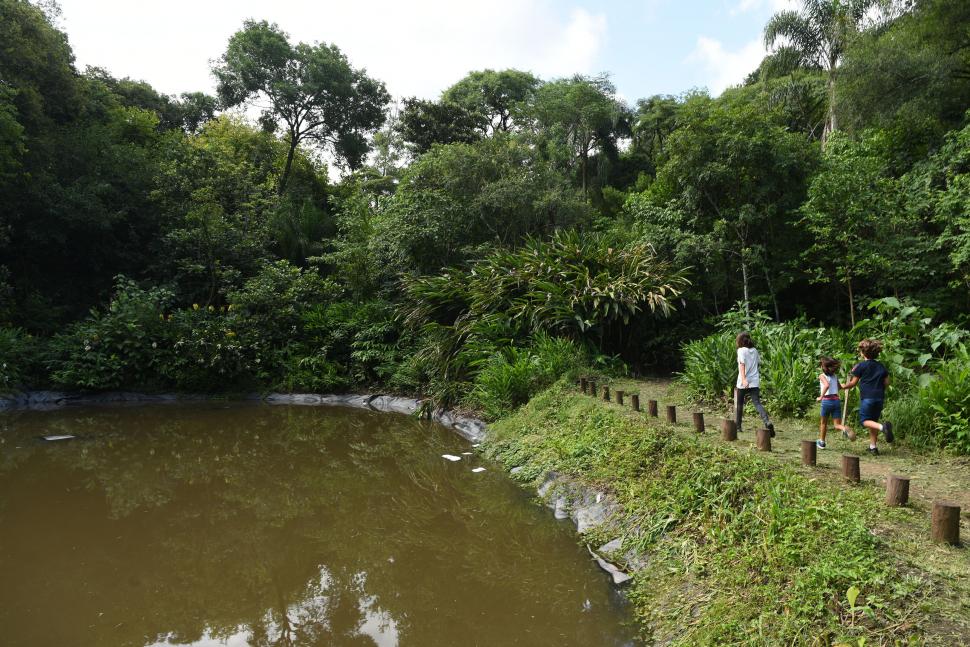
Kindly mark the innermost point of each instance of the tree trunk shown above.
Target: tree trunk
(848, 282)
(289, 163)
(831, 122)
(744, 280)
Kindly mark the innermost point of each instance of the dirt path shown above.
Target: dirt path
(932, 477)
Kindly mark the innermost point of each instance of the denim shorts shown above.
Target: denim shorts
(870, 410)
(832, 408)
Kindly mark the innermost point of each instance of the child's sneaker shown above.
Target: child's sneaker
(771, 429)
(820, 444)
(887, 429)
(874, 451)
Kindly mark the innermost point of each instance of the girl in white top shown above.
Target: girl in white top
(749, 382)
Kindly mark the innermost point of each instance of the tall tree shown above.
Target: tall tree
(425, 123)
(817, 37)
(498, 97)
(584, 115)
(311, 89)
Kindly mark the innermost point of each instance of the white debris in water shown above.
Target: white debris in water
(65, 437)
(466, 453)
(451, 457)
(478, 469)
(476, 445)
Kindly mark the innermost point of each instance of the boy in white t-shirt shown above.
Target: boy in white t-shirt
(749, 382)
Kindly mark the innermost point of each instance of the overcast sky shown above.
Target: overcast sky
(420, 47)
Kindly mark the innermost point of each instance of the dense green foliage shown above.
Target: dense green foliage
(741, 550)
(160, 242)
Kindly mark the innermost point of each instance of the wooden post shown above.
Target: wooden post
(729, 430)
(606, 394)
(763, 438)
(850, 468)
(809, 452)
(946, 522)
(897, 490)
(652, 407)
(582, 384)
(698, 422)
(619, 397)
(592, 389)
(635, 402)
(672, 414)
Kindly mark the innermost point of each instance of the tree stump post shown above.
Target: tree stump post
(606, 394)
(809, 452)
(583, 384)
(946, 522)
(619, 397)
(729, 430)
(635, 402)
(652, 407)
(850, 468)
(763, 439)
(698, 422)
(672, 414)
(592, 389)
(897, 490)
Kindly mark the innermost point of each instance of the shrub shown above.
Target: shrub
(117, 347)
(205, 353)
(507, 379)
(21, 360)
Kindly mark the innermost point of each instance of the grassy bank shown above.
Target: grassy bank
(742, 548)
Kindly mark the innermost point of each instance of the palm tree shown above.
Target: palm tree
(817, 38)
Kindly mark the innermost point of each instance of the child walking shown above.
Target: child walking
(749, 382)
(872, 378)
(831, 404)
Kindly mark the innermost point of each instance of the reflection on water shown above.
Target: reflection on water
(254, 525)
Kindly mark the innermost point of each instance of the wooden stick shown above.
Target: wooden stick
(946, 522)
(672, 414)
(897, 490)
(699, 422)
(809, 452)
(606, 394)
(619, 397)
(592, 389)
(850, 468)
(729, 431)
(652, 407)
(763, 440)
(635, 402)
(582, 384)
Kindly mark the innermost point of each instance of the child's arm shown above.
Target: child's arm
(851, 383)
(744, 375)
(823, 387)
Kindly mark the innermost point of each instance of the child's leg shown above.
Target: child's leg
(823, 427)
(844, 428)
(874, 428)
(756, 401)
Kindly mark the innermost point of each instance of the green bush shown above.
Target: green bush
(21, 360)
(118, 347)
(507, 379)
(205, 353)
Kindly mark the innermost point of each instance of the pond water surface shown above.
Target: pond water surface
(246, 524)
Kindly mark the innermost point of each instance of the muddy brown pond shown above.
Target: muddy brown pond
(250, 524)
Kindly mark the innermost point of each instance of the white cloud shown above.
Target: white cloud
(744, 6)
(725, 68)
(417, 48)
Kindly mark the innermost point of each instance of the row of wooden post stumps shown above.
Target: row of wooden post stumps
(946, 516)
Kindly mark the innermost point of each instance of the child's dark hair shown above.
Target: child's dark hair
(870, 348)
(744, 340)
(830, 366)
